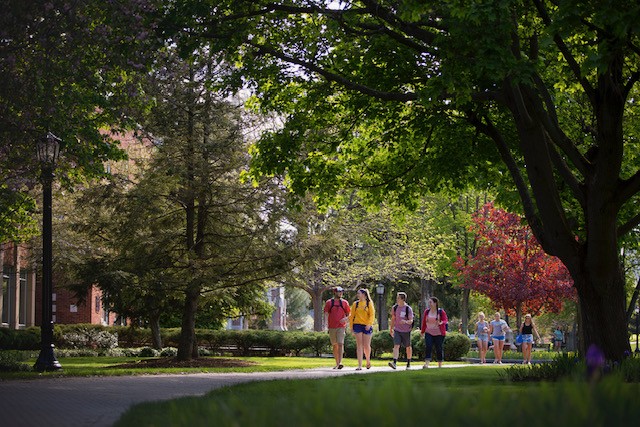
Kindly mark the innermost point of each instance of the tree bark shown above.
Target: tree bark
(602, 316)
(156, 336)
(187, 342)
(318, 310)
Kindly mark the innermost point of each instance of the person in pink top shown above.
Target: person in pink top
(434, 329)
(336, 316)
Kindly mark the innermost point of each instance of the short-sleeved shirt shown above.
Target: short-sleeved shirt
(400, 315)
(339, 311)
(499, 328)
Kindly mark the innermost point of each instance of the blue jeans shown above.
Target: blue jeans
(429, 342)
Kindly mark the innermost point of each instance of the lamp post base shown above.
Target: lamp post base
(47, 361)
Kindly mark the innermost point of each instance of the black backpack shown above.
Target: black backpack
(333, 303)
(406, 313)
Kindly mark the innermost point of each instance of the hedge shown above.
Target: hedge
(245, 342)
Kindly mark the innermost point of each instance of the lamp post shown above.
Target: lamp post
(48, 150)
(380, 292)
(637, 310)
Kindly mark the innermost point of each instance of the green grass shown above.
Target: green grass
(474, 396)
(105, 366)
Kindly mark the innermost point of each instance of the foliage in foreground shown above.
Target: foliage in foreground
(451, 397)
(570, 366)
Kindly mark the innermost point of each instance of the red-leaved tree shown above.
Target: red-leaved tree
(510, 266)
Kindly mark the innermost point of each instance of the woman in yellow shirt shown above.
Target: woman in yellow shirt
(362, 316)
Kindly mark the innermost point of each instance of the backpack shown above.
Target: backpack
(406, 313)
(333, 303)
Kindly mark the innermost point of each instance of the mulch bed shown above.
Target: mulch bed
(172, 362)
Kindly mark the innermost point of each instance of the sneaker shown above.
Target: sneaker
(392, 365)
(358, 369)
(408, 367)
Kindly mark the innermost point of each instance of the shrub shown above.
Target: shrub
(456, 346)
(148, 352)
(169, 352)
(350, 345)
(20, 339)
(564, 365)
(381, 342)
(13, 361)
(320, 343)
(88, 337)
(296, 342)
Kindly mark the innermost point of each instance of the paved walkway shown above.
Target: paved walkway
(101, 401)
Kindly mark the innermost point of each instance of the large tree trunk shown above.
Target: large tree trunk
(603, 320)
(187, 346)
(464, 310)
(156, 336)
(318, 310)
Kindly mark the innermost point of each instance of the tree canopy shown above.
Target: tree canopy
(397, 98)
(511, 268)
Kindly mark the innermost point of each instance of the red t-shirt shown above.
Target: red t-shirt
(339, 311)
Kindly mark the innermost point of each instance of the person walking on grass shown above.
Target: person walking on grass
(526, 331)
(400, 328)
(482, 337)
(362, 316)
(433, 329)
(498, 329)
(336, 316)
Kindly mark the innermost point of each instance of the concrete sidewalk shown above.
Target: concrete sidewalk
(101, 401)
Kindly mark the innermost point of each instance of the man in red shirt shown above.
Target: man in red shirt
(336, 316)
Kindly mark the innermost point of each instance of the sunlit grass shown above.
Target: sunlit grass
(106, 366)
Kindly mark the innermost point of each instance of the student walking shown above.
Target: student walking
(434, 329)
(336, 316)
(526, 331)
(482, 337)
(400, 328)
(362, 316)
(498, 329)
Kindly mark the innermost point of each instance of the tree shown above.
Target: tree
(70, 68)
(511, 268)
(222, 235)
(401, 98)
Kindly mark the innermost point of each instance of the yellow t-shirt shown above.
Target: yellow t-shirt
(361, 314)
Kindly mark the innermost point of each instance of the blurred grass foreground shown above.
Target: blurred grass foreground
(468, 396)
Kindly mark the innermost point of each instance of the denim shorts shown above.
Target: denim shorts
(498, 337)
(483, 337)
(364, 329)
(527, 338)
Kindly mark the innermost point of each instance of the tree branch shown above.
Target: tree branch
(571, 61)
(337, 78)
(488, 129)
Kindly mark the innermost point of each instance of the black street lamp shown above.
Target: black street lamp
(48, 150)
(637, 310)
(380, 292)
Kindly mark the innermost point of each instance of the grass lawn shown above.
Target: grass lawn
(468, 396)
(107, 366)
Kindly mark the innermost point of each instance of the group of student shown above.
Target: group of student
(360, 316)
(497, 330)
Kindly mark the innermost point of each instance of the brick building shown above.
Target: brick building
(21, 295)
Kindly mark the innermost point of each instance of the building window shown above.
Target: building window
(5, 299)
(24, 298)
(97, 304)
